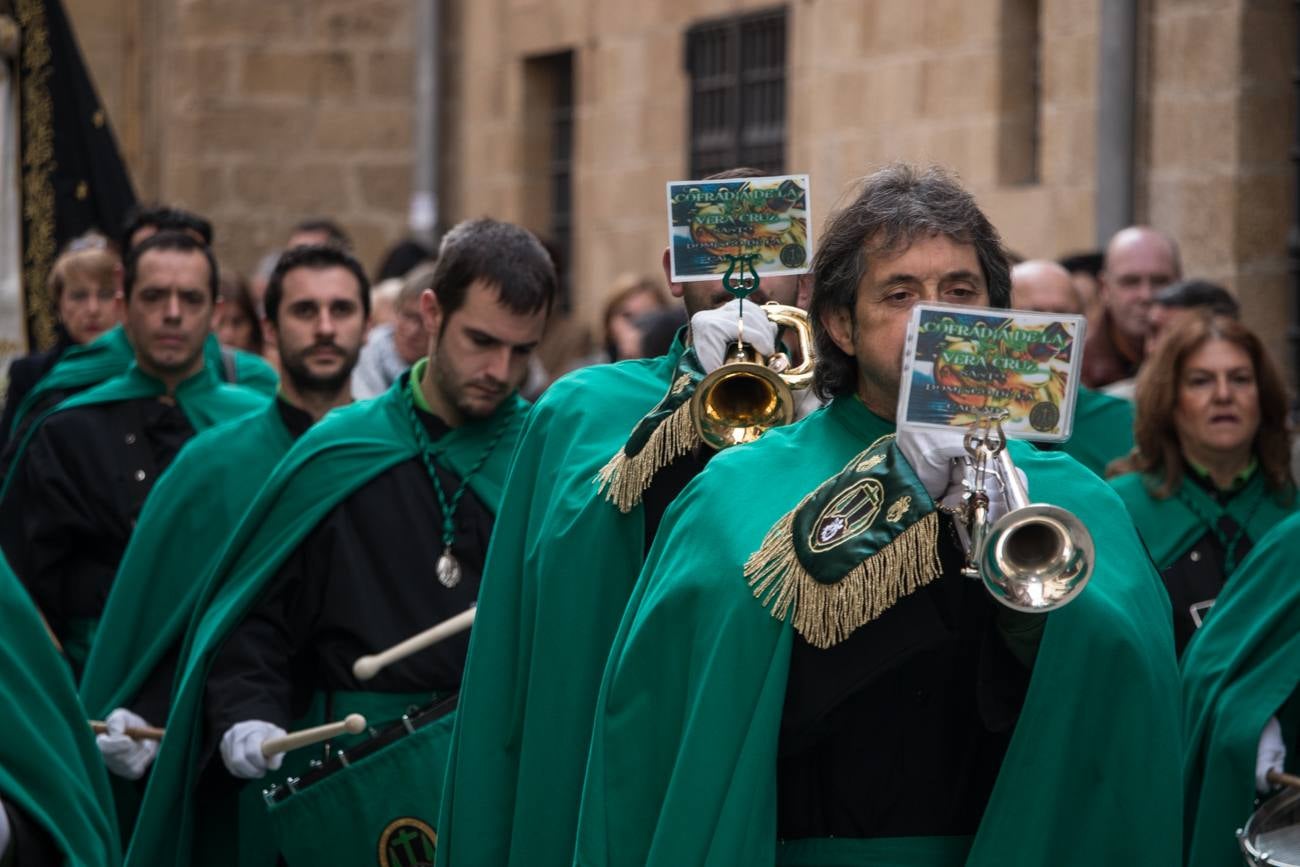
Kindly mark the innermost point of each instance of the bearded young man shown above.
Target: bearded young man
(587, 491)
(81, 474)
(317, 303)
(791, 687)
(373, 527)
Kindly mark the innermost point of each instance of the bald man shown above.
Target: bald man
(1103, 425)
(1140, 261)
(1043, 285)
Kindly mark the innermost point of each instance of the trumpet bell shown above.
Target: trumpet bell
(739, 401)
(1036, 558)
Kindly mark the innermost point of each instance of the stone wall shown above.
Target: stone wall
(263, 112)
(258, 114)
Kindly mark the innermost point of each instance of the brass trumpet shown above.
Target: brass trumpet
(1036, 557)
(744, 397)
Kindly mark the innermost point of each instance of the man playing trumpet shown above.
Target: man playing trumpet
(374, 527)
(803, 674)
(585, 504)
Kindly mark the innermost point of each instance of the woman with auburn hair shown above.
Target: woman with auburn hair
(1209, 473)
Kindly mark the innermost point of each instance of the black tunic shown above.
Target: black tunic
(30, 845)
(75, 496)
(1195, 579)
(900, 729)
(360, 581)
(24, 373)
(153, 701)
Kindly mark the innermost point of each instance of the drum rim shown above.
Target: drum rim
(1275, 804)
(409, 723)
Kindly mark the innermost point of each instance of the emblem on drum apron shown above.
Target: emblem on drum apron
(407, 842)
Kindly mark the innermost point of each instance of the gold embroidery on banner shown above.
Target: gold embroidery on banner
(38, 166)
(898, 509)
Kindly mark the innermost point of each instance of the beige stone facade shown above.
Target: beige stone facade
(257, 113)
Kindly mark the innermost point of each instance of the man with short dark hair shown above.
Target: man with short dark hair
(145, 222)
(318, 231)
(374, 527)
(316, 311)
(1171, 302)
(111, 353)
(81, 474)
(1140, 261)
(595, 473)
(804, 676)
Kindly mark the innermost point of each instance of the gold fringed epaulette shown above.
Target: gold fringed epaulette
(664, 435)
(835, 563)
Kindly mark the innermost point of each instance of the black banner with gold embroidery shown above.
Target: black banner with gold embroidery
(73, 176)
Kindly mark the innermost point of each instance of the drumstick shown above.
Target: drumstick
(367, 667)
(1278, 778)
(143, 733)
(353, 723)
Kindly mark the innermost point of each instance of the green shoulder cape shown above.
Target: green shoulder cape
(1239, 669)
(1171, 526)
(682, 769)
(49, 764)
(183, 526)
(1103, 430)
(338, 455)
(204, 398)
(562, 565)
(111, 354)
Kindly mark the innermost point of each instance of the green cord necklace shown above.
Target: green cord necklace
(448, 569)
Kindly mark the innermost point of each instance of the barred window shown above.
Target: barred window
(737, 72)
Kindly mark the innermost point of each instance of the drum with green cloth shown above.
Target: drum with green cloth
(374, 802)
(257, 843)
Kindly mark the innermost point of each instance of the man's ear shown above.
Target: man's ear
(839, 326)
(270, 334)
(675, 288)
(215, 314)
(803, 291)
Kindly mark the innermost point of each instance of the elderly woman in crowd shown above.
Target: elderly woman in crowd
(1210, 473)
(83, 290)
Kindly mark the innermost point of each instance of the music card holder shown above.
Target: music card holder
(739, 230)
(961, 363)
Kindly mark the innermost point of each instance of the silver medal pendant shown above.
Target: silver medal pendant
(448, 570)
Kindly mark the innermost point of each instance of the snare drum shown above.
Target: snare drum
(376, 803)
(1271, 837)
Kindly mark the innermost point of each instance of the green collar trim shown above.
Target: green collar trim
(1238, 482)
(417, 392)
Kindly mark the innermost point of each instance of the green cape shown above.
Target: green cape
(183, 526)
(1171, 526)
(1240, 667)
(562, 565)
(204, 398)
(1103, 430)
(336, 457)
(111, 354)
(682, 768)
(49, 764)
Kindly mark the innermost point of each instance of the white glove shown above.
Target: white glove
(241, 749)
(712, 330)
(5, 833)
(123, 755)
(1270, 756)
(939, 459)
